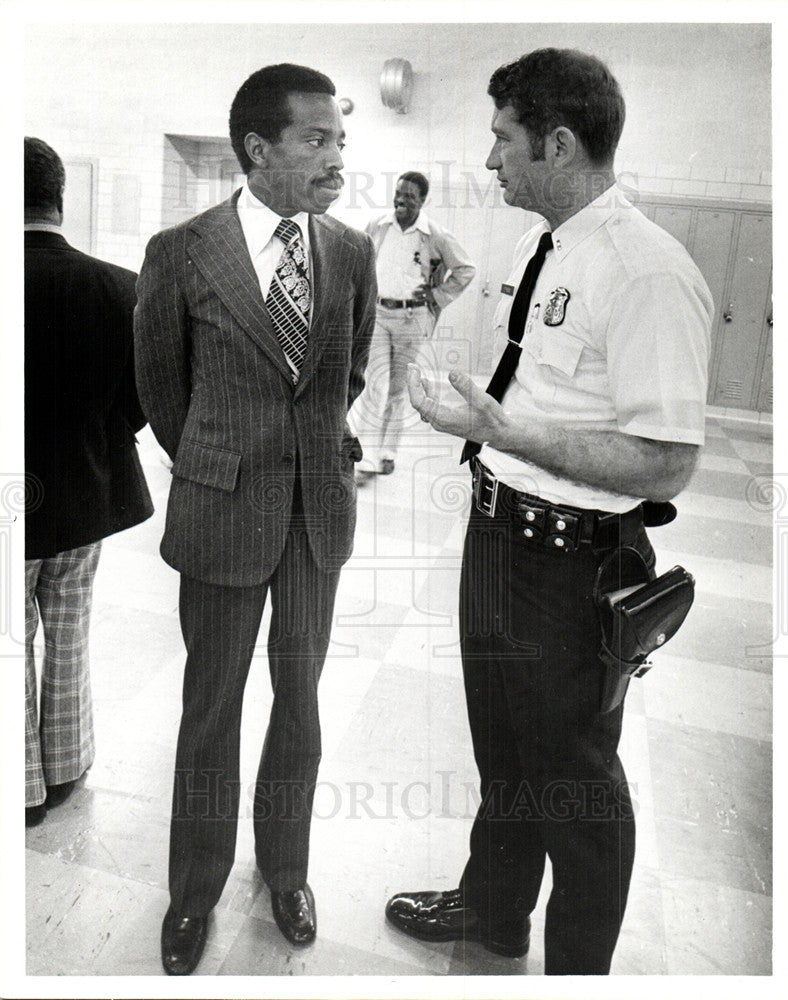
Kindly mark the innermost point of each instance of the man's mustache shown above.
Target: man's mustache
(331, 179)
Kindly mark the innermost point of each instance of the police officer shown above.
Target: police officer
(596, 405)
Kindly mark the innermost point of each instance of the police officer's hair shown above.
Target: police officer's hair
(45, 176)
(414, 177)
(552, 87)
(261, 104)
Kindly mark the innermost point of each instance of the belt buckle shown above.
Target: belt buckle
(485, 490)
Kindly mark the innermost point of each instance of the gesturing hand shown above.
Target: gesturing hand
(475, 415)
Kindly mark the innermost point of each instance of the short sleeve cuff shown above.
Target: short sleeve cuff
(681, 435)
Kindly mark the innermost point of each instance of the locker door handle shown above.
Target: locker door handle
(770, 320)
(486, 289)
(728, 314)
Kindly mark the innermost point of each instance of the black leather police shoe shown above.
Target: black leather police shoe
(443, 916)
(182, 943)
(295, 915)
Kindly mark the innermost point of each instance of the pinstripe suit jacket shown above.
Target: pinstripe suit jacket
(215, 386)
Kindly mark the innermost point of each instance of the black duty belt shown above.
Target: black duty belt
(399, 303)
(555, 526)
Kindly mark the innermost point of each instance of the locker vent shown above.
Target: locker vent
(733, 389)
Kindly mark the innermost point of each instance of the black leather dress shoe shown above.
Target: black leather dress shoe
(57, 794)
(182, 943)
(443, 916)
(295, 916)
(35, 814)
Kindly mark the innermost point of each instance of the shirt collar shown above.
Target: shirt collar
(43, 227)
(585, 222)
(422, 223)
(259, 222)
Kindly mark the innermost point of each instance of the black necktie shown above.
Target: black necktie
(510, 358)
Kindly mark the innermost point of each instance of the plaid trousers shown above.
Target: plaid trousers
(59, 745)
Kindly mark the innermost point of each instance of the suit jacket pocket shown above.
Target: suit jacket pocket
(350, 449)
(207, 465)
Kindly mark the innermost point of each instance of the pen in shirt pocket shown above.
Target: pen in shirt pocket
(534, 316)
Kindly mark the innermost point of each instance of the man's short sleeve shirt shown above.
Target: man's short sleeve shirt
(399, 258)
(617, 337)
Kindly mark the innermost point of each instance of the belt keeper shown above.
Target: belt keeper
(607, 532)
(482, 483)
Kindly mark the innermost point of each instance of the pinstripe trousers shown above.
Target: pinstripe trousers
(59, 741)
(220, 626)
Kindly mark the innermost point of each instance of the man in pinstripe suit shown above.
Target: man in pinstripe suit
(252, 330)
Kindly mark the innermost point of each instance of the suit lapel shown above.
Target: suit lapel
(330, 255)
(222, 257)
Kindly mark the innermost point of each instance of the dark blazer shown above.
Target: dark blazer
(81, 408)
(217, 391)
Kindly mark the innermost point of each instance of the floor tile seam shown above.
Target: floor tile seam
(102, 605)
(84, 865)
(714, 730)
(677, 875)
(734, 464)
(695, 527)
(655, 873)
(713, 882)
(738, 495)
(754, 518)
(767, 893)
(688, 662)
(761, 572)
(690, 729)
(324, 939)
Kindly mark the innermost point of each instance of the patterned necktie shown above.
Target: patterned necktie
(510, 358)
(289, 297)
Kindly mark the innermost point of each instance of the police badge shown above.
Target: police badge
(556, 307)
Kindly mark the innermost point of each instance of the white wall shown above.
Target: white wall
(698, 99)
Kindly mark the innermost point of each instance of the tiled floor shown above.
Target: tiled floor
(397, 790)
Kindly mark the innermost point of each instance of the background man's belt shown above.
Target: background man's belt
(399, 303)
(556, 526)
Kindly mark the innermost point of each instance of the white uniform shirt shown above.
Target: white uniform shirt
(626, 349)
(258, 223)
(399, 263)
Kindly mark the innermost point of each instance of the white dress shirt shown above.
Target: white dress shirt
(258, 223)
(43, 227)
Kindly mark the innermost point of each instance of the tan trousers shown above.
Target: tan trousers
(382, 411)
